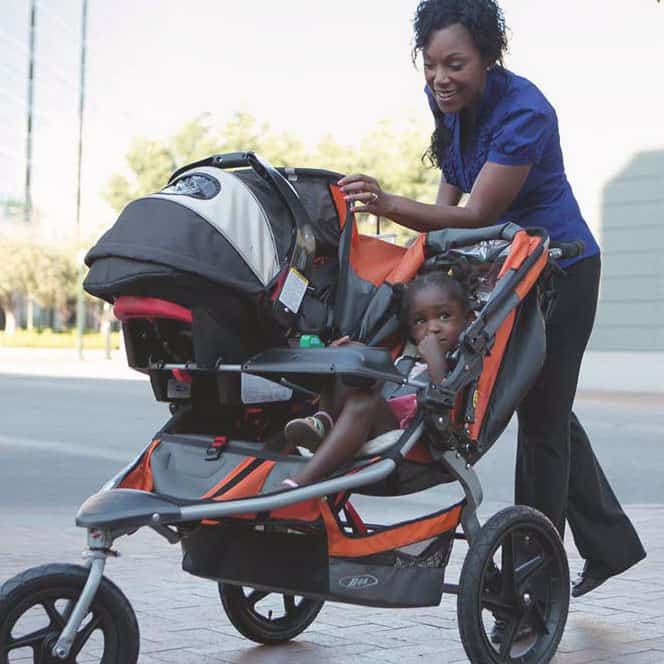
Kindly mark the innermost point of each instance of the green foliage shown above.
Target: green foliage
(46, 274)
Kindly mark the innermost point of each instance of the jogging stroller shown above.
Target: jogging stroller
(215, 279)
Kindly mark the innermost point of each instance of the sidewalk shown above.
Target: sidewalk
(181, 620)
(65, 363)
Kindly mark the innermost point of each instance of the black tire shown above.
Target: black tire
(259, 622)
(516, 571)
(34, 606)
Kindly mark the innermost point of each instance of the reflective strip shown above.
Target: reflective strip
(238, 215)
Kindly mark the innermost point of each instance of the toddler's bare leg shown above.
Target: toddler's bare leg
(366, 413)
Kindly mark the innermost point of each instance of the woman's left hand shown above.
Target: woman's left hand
(360, 188)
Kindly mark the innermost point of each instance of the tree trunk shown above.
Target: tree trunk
(10, 322)
(30, 313)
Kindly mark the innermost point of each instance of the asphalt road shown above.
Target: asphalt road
(62, 438)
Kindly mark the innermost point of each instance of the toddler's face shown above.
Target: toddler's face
(433, 311)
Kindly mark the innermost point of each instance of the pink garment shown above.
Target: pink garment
(404, 408)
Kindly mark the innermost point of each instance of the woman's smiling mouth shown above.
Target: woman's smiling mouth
(444, 96)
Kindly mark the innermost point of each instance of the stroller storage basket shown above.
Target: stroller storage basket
(399, 566)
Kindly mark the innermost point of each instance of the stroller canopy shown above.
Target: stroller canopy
(234, 229)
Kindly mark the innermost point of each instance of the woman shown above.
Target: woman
(496, 138)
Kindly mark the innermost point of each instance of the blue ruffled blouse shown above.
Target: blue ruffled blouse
(516, 126)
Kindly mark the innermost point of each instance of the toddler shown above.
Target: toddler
(434, 312)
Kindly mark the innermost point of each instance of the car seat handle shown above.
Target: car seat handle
(285, 190)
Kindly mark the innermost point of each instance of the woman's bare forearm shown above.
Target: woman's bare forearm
(423, 217)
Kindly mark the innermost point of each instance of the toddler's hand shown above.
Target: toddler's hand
(430, 348)
(432, 353)
(342, 341)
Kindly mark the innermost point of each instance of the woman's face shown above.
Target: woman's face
(454, 69)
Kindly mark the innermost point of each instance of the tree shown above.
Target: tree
(55, 285)
(14, 261)
(151, 162)
(43, 273)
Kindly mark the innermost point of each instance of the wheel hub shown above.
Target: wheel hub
(46, 655)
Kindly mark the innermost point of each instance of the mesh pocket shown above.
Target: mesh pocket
(436, 553)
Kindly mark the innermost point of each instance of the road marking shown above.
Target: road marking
(35, 445)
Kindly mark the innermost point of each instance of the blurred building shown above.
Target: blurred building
(627, 345)
(631, 317)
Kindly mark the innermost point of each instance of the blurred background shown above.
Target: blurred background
(100, 102)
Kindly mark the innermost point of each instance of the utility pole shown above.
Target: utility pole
(80, 301)
(81, 106)
(27, 208)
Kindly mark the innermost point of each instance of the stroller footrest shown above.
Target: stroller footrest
(126, 509)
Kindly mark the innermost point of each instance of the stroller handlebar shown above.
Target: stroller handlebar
(560, 250)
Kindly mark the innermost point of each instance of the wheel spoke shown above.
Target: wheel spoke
(256, 596)
(289, 604)
(498, 605)
(82, 637)
(509, 635)
(56, 618)
(537, 622)
(29, 640)
(524, 571)
(507, 566)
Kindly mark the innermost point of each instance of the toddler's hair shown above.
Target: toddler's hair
(453, 288)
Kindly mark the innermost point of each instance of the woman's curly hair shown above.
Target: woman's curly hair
(484, 21)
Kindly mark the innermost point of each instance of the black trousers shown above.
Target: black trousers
(556, 470)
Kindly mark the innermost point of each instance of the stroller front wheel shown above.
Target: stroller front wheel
(267, 617)
(35, 606)
(514, 590)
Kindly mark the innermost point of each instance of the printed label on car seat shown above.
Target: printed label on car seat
(178, 390)
(293, 290)
(255, 389)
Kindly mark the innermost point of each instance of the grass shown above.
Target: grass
(47, 338)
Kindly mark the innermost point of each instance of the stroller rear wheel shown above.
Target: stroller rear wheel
(267, 617)
(515, 574)
(35, 606)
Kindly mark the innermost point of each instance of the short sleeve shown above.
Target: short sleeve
(521, 138)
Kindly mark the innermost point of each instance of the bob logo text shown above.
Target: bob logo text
(358, 582)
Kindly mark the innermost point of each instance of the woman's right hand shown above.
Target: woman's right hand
(365, 190)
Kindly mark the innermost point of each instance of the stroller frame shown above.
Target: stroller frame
(529, 587)
(101, 533)
(114, 512)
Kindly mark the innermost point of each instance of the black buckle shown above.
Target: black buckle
(437, 398)
(476, 342)
(216, 448)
